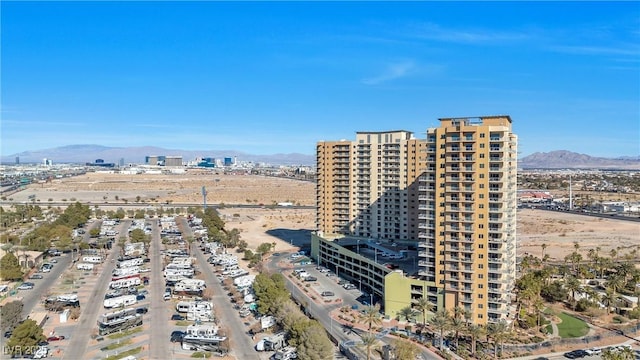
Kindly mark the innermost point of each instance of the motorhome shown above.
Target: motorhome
(124, 319)
(275, 342)
(130, 262)
(57, 303)
(186, 306)
(125, 283)
(119, 301)
(123, 272)
(183, 272)
(200, 315)
(244, 281)
(84, 266)
(286, 353)
(92, 259)
(204, 338)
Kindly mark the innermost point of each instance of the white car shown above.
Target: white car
(26, 286)
(593, 351)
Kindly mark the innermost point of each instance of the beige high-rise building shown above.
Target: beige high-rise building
(469, 196)
(451, 195)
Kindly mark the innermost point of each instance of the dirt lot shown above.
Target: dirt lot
(258, 225)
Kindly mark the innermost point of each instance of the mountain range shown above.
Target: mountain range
(560, 159)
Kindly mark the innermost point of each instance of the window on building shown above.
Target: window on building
(481, 135)
(481, 146)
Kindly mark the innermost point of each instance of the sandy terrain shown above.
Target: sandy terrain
(535, 227)
(560, 230)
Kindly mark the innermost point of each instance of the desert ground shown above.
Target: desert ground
(257, 225)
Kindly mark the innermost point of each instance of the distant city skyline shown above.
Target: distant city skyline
(267, 78)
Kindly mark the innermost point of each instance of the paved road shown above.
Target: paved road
(31, 297)
(242, 345)
(159, 340)
(80, 339)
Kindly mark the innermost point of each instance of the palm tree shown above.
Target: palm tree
(498, 332)
(407, 313)
(457, 325)
(371, 316)
(573, 284)
(441, 321)
(538, 306)
(544, 247)
(609, 298)
(369, 342)
(424, 306)
(475, 331)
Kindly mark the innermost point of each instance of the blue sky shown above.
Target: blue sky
(269, 78)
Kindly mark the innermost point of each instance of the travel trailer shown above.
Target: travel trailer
(119, 301)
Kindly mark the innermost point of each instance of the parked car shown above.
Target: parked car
(327, 293)
(26, 286)
(593, 351)
(177, 317)
(311, 278)
(55, 338)
(575, 354)
(177, 336)
(142, 310)
(36, 276)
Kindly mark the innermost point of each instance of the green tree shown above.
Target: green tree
(498, 332)
(407, 313)
(10, 315)
(369, 342)
(314, 344)
(95, 232)
(573, 285)
(271, 292)
(137, 235)
(475, 331)
(441, 321)
(371, 316)
(404, 350)
(26, 335)
(10, 267)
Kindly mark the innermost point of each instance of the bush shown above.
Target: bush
(583, 305)
(620, 319)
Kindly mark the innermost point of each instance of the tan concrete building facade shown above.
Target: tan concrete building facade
(453, 194)
(468, 194)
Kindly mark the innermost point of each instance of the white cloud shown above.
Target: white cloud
(392, 72)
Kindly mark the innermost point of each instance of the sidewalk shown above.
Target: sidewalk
(634, 343)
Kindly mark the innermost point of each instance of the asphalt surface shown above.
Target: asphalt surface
(321, 312)
(92, 308)
(42, 286)
(241, 343)
(159, 340)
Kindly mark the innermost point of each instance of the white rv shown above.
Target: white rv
(125, 300)
(92, 259)
(130, 262)
(125, 283)
(84, 266)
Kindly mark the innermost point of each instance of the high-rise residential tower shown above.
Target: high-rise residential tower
(451, 196)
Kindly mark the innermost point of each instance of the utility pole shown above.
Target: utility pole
(204, 197)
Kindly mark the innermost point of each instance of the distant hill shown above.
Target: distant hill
(562, 159)
(89, 153)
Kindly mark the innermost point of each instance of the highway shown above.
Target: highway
(160, 333)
